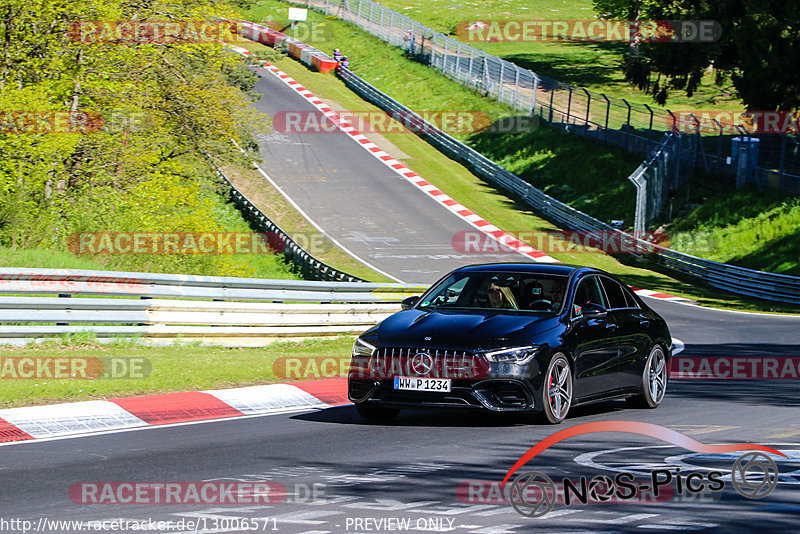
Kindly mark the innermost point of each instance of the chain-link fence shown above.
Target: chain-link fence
(633, 126)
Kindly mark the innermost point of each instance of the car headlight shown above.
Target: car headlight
(362, 348)
(513, 355)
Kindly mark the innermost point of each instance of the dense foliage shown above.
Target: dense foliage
(757, 49)
(103, 130)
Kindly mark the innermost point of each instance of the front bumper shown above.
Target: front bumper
(493, 394)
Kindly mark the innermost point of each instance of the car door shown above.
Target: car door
(632, 326)
(596, 341)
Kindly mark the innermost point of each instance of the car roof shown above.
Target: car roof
(533, 268)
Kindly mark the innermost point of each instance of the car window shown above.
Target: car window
(498, 290)
(588, 290)
(615, 294)
(629, 298)
(447, 293)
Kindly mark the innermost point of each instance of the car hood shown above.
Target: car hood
(461, 329)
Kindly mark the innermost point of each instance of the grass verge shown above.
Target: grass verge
(754, 229)
(188, 367)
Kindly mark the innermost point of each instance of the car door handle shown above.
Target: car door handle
(644, 322)
(611, 326)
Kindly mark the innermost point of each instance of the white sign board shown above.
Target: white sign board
(297, 13)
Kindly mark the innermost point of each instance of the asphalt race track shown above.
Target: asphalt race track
(346, 475)
(365, 205)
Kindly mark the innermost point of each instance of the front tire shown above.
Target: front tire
(557, 390)
(376, 412)
(654, 381)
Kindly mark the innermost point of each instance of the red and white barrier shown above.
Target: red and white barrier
(305, 53)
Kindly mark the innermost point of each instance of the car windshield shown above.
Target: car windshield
(491, 291)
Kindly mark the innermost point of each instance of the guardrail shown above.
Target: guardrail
(154, 307)
(739, 280)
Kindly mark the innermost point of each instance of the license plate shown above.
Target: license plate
(422, 384)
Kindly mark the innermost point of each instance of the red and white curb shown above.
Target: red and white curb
(431, 190)
(658, 295)
(77, 418)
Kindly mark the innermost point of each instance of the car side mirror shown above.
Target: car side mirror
(591, 310)
(408, 302)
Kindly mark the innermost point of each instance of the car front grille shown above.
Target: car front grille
(388, 362)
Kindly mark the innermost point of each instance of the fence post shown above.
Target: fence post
(471, 60)
(699, 140)
(719, 139)
(535, 89)
(516, 86)
(588, 105)
(552, 94)
(650, 128)
(444, 56)
(608, 112)
(641, 200)
(628, 124)
(569, 103)
(678, 158)
(502, 80)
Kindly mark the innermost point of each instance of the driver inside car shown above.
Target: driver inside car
(501, 297)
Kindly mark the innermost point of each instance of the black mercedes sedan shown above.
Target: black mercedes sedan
(513, 337)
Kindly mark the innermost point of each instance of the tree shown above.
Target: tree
(163, 105)
(757, 50)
